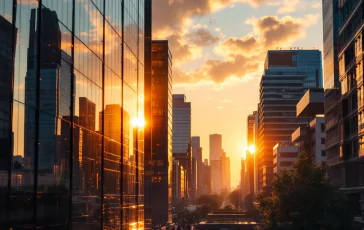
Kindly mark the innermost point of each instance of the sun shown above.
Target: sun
(138, 122)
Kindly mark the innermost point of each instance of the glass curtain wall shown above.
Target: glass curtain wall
(71, 89)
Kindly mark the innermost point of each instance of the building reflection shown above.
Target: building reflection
(65, 111)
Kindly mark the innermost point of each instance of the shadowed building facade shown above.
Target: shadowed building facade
(161, 133)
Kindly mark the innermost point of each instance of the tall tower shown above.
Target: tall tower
(215, 162)
(161, 132)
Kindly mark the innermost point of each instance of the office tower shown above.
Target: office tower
(310, 138)
(196, 164)
(78, 83)
(148, 161)
(287, 75)
(225, 172)
(55, 67)
(206, 178)
(181, 137)
(215, 163)
(161, 132)
(345, 151)
(250, 154)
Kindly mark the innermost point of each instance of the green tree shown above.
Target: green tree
(304, 198)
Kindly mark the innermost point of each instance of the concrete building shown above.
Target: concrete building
(215, 162)
(161, 133)
(311, 137)
(287, 75)
(283, 156)
(344, 117)
(181, 138)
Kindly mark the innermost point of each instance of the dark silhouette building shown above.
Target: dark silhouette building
(161, 132)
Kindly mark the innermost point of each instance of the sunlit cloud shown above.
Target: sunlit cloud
(243, 57)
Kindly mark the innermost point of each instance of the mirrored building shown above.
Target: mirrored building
(72, 102)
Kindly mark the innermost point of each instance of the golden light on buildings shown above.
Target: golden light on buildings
(251, 149)
(138, 122)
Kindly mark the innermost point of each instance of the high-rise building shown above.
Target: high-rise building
(215, 162)
(161, 133)
(345, 125)
(181, 138)
(287, 75)
(331, 23)
(250, 156)
(284, 155)
(148, 161)
(225, 172)
(206, 178)
(196, 164)
(78, 82)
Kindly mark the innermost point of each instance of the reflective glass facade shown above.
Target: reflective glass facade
(72, 89)
(287, 76)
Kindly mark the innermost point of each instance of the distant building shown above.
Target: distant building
(284, 155)
(225, 171)
(206, 178)
(196, 164)
(181, 138)
(179, 178)
(287, 75)
(215, 162)
(161, 133)
(252, 123)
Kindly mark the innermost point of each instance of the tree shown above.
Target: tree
(214, 201)
(304, 198)
(236, 198)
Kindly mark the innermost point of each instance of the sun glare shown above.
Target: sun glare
(251, 149)
(138, 122)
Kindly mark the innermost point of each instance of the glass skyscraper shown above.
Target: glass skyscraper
(71, 105)
(287, 75)
(181, 134)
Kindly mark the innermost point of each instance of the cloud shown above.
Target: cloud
(245, 56)
(202, 37)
